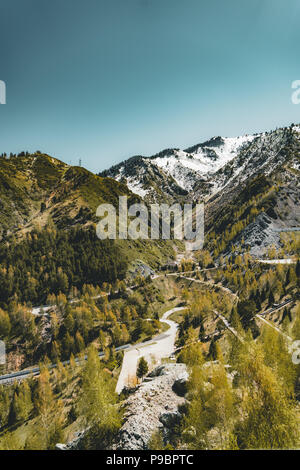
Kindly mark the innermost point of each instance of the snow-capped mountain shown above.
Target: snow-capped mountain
(263, 182)
(258, 173)
(263, 155)
(206, 168)
(202, 160)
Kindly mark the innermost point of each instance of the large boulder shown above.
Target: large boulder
(158, 371)
(180, 384)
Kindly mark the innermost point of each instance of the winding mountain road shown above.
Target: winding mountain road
(27, 373)
(278, 261)
(153, 351)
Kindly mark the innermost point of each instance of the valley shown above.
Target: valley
(99, 333)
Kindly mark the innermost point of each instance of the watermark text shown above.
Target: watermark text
(296, 93)
(2, 92)
(155, 222)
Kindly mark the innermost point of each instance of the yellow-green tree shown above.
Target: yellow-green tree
(98, 404)
(50, 411)
(268, 419)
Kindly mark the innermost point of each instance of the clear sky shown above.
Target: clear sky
(103, 80)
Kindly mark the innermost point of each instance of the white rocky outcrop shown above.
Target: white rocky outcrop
(153, 406)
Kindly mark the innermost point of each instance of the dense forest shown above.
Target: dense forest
(243, 389)
(53, 261)
(242, 392)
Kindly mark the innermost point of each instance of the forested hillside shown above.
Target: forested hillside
(69, 301)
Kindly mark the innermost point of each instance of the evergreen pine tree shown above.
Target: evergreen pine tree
(142, 368)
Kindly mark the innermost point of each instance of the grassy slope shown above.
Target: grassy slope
(69, 196)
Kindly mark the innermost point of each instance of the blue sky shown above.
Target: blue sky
(103, 80)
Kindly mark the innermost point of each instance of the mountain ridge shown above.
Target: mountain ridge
(247, 167)
(37, 188)
(198, 165)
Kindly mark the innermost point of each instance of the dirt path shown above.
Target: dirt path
(210, 284)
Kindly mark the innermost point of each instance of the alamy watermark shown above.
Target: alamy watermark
(2, 92)
(296, 93)
(155, 222)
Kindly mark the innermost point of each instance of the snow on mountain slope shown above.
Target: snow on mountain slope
(184, 168)
(218, 151)
(134, 184)
(264, 154)
(201, 160)
(181, 167)
(206, 168)
(146, 179)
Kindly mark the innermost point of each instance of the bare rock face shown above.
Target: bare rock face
(74, 444)
(180, 385)
(153, 406)
(61, 447)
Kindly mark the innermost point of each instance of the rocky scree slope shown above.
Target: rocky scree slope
(153, 406)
